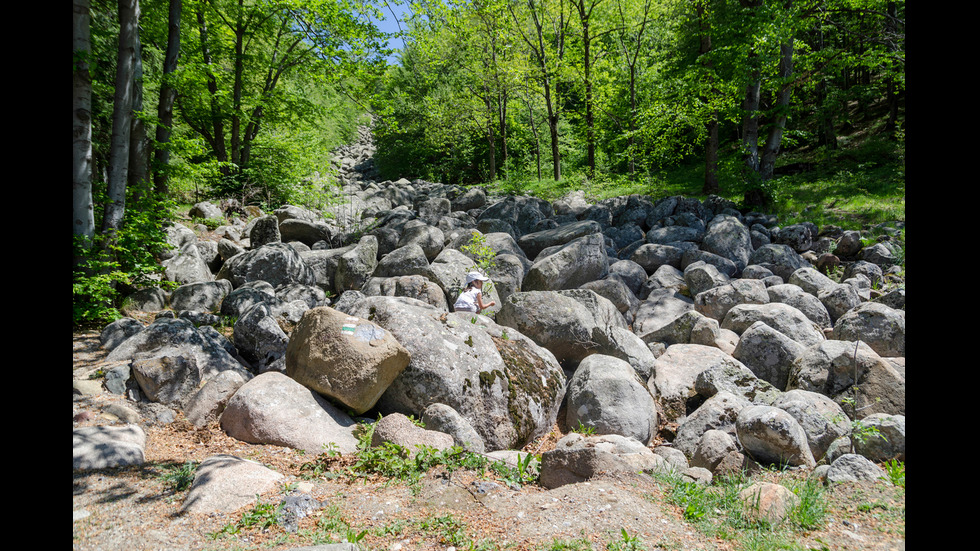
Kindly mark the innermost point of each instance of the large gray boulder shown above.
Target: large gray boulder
(573, 264)
(505, 385)
(418, 287)
(811, 280)
(399, 430)
(716, 413)
(850, 372)
(429, 238)
(882, 437)
(107, 447)
(307, 232)
(781, 317)
(661, 307)
(770, 435)
(881, 327)
(571, 324)
(534, 243)
(275, 263)
(344, 358)
(854, 468)
(769, 354)
(701, 276)
(274, 409)
(260, 338)
(717, 301)
(676, 372)
(728, 237)
(115, 333)
(805, 302)
(737, 379)
(355, 266)
(605, 394)
(170, 380)
(442, 418)
(187, 265)
(323, 263)
(179, 338)
(578, 458)
(225, 484)
(407, 260)
(822, 419)
(651, 256)
(205, 296)
(781, 259)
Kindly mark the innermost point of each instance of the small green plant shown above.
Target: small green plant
(211, 223)
(896, 472)
(626, 543)
(261, 516)
(811, 510)
(584, 429)
(450, 530)
(179, 477)
(332, 526)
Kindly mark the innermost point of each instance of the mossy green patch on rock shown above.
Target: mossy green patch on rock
(528, 379)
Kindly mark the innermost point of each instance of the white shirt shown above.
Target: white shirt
(467, 300)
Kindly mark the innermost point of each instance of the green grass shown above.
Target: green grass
(396, 464)
(862, 183)
(179, 477)
(717, 511)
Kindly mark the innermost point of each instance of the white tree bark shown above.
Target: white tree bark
(83, 216)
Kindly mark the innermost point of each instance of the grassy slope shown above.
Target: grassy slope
(861, 184)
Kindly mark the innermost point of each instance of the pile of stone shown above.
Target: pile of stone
(681, 334)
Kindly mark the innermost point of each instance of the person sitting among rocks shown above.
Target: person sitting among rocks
(471, 299)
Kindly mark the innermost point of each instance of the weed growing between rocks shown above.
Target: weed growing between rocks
(721, 510)
(396, 464)
(179, 477)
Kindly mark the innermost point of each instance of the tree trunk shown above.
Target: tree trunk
(122, 116)
(711, 127)
(750, 122)
(216, 139)
(165, 108)
(83, 213)
(767, 164)
(139, 156)
(589, 115)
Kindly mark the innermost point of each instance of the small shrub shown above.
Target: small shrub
(179, 477)
(896, 472)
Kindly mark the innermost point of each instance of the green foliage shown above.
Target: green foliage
(718, 510)
(331, 526)
(397, 464)
(583, 429)
(112, 265)
(896, 472)
(261, 516)
(626, 543)
(179, 477)
(211, 223)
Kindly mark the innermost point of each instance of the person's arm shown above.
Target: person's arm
(479, 303)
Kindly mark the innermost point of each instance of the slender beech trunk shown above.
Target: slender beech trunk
(711, 127)
(767, 163)
(138, 178)
(165, 108)
(83, 212)
(122, 116)
(216, 138)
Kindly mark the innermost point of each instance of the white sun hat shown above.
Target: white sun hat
(473, 276)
